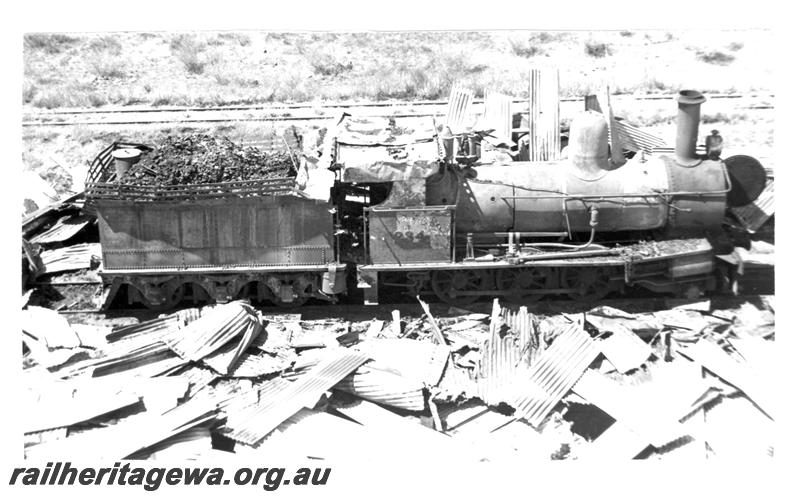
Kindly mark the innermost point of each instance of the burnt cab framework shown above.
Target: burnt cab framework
(256, 239)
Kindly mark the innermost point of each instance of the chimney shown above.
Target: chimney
(688, 121)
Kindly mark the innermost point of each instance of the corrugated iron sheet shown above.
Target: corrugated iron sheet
(213, 330)
(138, 349)
(190, 445)
(64, 229)
(625, 350)
(712, 357)
(302, 393)
(456, 383)
(631, 138)
(554, 373)
(74, 257)
(618, 443)
(227, 359)
(545, 128)
(482, 423)
(622, 405)
(317, 435)
(197, 377)
(497, 115)
(385, 387)
(157, 327)
(49, 327)
(505, 358)
(239, 398)
(755, 214)
(421, 361)
(261, 364)
(128, 435)
(453, 416)
(41, 437)
(634, 139)
(63, 403)
(458, 117)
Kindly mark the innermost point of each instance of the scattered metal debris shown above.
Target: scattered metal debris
(75, 257)
(509, 384)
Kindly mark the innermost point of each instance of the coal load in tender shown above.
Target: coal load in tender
(201, 158)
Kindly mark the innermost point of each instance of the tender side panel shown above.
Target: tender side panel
(273, 230)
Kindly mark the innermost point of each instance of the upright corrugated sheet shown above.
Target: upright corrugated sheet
(457, 117)
(545, 128)
(553, 374)
(755, 214)
(497, 115)
(302, 393)
(505, 358)
(64, 229)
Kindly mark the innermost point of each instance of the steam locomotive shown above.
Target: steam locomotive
(380, 207)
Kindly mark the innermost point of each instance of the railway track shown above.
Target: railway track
(319, 112)
(411, 308)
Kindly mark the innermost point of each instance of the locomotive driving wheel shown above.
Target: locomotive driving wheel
(591, 284)
(449, 285)
(520, 284)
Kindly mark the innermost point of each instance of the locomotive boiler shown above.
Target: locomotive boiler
(525, 230)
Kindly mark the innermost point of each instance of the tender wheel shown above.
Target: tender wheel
(295, 303)
(592, 284)
(447, 284)
(258, 293)
(520, 284)
(173, 297)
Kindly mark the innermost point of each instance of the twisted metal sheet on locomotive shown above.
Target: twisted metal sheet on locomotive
(404, 207)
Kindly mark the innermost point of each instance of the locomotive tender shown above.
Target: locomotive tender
(432, 223)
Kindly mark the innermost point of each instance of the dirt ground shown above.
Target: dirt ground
(217, 68)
